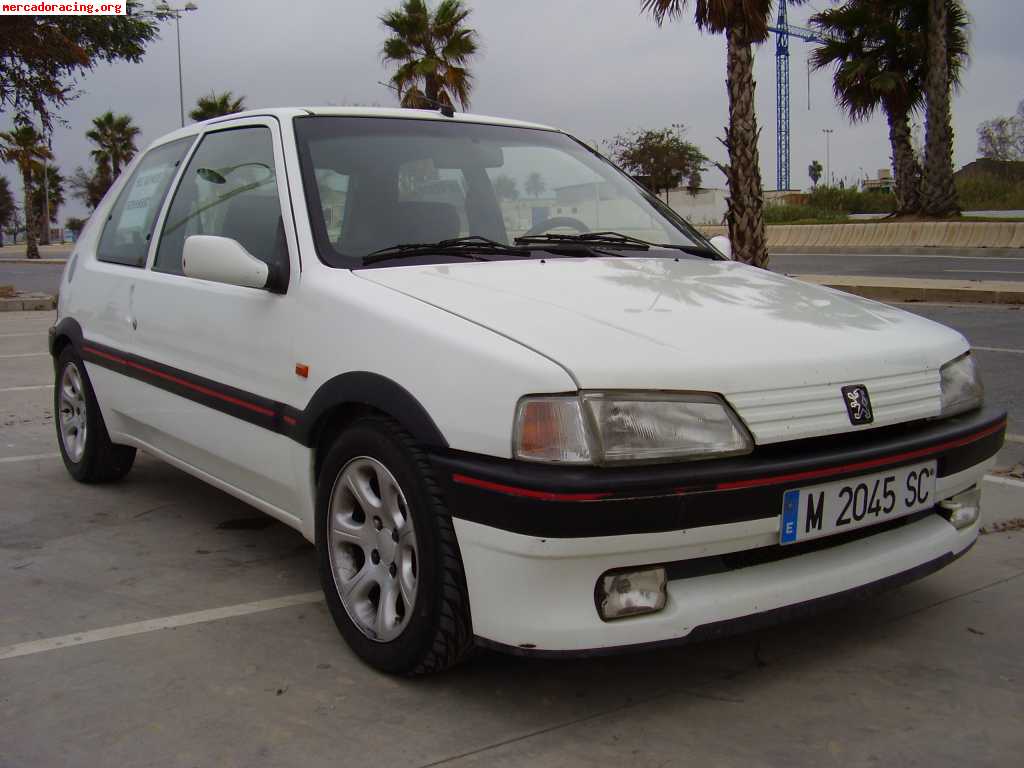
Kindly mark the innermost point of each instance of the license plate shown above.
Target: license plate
(845, 505)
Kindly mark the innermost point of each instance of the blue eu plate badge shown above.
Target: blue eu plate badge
(790, 516)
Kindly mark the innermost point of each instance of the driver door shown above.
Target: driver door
(221, 355)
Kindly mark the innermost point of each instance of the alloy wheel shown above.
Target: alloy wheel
(373, 549)
(72, 415)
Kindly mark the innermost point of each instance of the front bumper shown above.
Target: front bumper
(535, 539)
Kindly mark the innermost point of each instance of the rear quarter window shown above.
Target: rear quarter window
(129, 227)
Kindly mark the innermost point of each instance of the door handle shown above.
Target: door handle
(131, 321)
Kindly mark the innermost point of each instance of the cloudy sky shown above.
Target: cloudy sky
(593, 67)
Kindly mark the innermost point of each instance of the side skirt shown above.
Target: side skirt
(287, 518)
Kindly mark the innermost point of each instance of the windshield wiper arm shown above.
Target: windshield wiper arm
(586, 238)
(616, 240)
(467, 247)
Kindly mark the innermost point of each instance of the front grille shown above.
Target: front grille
(777, 415)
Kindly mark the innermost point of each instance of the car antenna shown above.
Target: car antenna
(445, 109)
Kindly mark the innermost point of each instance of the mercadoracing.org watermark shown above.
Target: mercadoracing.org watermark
(63, 9)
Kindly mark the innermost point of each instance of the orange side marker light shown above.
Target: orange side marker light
(301, 369)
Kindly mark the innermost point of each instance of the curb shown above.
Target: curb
(28, 302)
(22, 260)
(896, 250)
(916, 289)
(1002, 499)
(893, 234)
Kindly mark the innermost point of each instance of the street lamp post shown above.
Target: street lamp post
(169, 10)
(828, 154)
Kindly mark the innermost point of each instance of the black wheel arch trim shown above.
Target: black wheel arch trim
(354, 387)
(375, 391)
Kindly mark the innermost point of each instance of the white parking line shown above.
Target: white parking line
(25, 354)
(41, 334)
(1001, 349)
(26, 388)
(154, 625)
(1015, 438)
(33, 457)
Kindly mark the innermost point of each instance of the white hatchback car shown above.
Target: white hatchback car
(512, 398)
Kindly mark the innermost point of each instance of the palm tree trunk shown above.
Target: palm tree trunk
(908, 170)
(746, 200)
(31, 246)
(433, 90)
(938, 192)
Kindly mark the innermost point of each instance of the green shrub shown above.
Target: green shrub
(990, 193)
(851, 200)
(800, 214)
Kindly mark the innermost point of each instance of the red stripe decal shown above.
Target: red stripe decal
(896, 458)
(731, 485)
(182, 382)
(289, 420)
(512, 490)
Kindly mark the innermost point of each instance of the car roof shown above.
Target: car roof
(391, 112)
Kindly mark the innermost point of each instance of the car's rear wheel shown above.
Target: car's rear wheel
(389, 561)
(85, 446)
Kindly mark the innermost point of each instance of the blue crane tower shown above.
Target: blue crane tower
(783, 31)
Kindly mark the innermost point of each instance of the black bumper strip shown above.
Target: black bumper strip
(742, 624)
(582, 502)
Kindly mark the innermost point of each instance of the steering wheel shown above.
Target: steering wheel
(554, 222)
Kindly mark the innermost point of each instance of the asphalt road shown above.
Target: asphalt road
(168, 624)
(936, 266)
(44, 278)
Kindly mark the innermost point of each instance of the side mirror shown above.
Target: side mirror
(722, 245)
(222, 260)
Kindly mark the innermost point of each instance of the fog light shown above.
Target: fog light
(964, 509)
(629, 593)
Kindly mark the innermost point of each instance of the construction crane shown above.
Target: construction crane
(783, 31)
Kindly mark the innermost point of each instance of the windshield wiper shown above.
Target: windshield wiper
(616, 240)
(470, 247)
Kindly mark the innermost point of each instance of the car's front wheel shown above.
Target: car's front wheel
(85, 446)
(389, 562)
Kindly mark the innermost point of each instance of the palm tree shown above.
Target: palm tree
(217, 105)
(877, 48)
(430, 50)
(54, 193)
(24, 146)
(743, 22)
(814, 171)
(90, 187)
(114, 137)
(8, 208)
(938, 192)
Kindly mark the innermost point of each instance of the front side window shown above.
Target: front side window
(229, 189)
(373, 183)
(129, 227)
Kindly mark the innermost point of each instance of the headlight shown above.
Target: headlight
(961, 385)
(613, 428)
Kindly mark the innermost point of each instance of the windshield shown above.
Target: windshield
(374, 183)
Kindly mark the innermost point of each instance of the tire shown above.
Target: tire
(405, 535)
(89, 457)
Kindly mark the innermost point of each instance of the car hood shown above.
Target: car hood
(777, 348)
